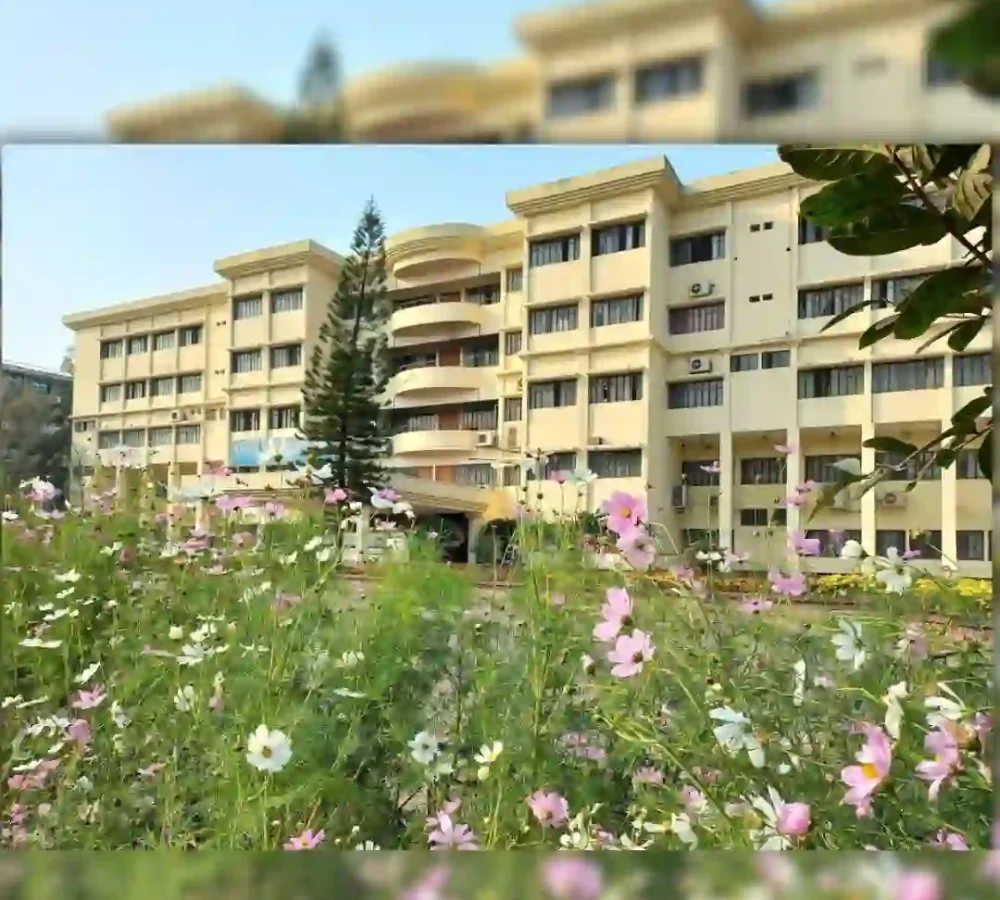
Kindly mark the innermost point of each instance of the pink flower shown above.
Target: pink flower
(430, 885)
(785, 449)
(549, 808)
(806, 487)
(804, 546)
(792, 500)
(982, 723)
(151, 770)
(950, 840)
(79, 732)
(617, 613)
(286, 601)
(793, 819)
(944, 748)
(229, 502)
(693, 800)
(624, 512)
(630, 654)
(647, 775)
(567, 877)
(875, 759)
(448, 809)
(243, 539)
(917, 884)
(638, 549)
(755, 604)
(684, 574)
(793, 585)
(308, 840)
(560, 476)
(274, 509)
(89, 699)
(334, 496)
(558, 599)
(449, 836)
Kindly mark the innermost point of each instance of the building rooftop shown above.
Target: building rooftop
(25, 369)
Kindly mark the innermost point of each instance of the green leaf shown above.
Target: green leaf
(985, 455)
(833, 163)
(837, 319)
(890, 445)
(964, 334)
(875, 333)
(952, 157)
(888, 230)
(969, 44)
(941, 294)
(974, 186)
(852, 199)
(974, 408)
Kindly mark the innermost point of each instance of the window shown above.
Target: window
(775, 359)
(615, 463)
(248, 307)
(975, 368)
(137, 344)
(515, 280)
(913, 375)
(559, 462)
(830, 301)
(753, 518)
(546, 394)
(787, 93)
(135, 390)
(692, 319)
(938, 73)
(244, 420)
(246, 361)
(288, 300)
(477, 474)
(108, 440)
(134, 437)
(485, 295)
(694, 474)
(700, 536)
(694, 394)
(809, 233)
(512, 409)
(616, 238)
(893, 291)
(414, 302)
(698, 248)
(967, 465)
(188, 434)
(884, 539)
(188, 384)
(970, 544)
(479, 419)
(512, 341)
(164, 340)
(744, 362)
(553, 318)
(511, 476)
(82, 425)
(615, 310)
(779, 516)
(479, 355)
(762, 470)
(821, 468)
(926, 544)
(190, 335)
(421, 422)
(161, 437)
(581, 96)
(285, 356)
(903, 470)
(112, 349)
(554, 250)
(831, 541)
(111, 393)
(615, 388)
(835, 381)
(666, 80)
(415, 361)
(283, 416)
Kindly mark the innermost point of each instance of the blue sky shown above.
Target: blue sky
(86, 226)
(64, 63)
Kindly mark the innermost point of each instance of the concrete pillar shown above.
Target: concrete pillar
(949, 509)
(476, 525)
(868, 524)
(727, 481)
(793, 476)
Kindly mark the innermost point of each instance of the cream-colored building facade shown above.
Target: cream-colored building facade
(647, 330)
(638, 70)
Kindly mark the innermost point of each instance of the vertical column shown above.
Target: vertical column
(949, 508)
(727, 479)
(793, 476)
(868, 523)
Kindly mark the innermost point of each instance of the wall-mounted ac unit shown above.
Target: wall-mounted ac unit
(679, 497)
(892, 498)
(699, 364)
(486, 439)
(701, 289)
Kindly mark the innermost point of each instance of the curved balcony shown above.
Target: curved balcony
(433, 442)
(435, 249)
(436, 320)
(438, 384)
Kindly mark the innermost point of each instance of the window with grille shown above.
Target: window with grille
(422, 422)
(480, 355)
(975, 368)
(831, 543)
(615, 310)
(108, 440)
(615, 388)
(164, 340)
(285, 356)
(753, 518)
(477, 474)
(512, 342)
(893, 291)
(161, 437)
(692, 319)
(553, 318)
(511, 476)
(188, 434)
(744, 362)
(694, 394)
(694, 473)
(288, 300)
(667, 80)
(886, 538)
(580, 96)
(810, 233)
(246, 361)
(485, 295)
(967, 465)
(515, 280)
(762, 470)
(134, 437)
(284, 416)
(546, 394)
(617, 238)
(479, 419)
(138, 344)
(834, 381)
(554, 250)
(912, 375)
(819, 302)
(512, 409)
(560, 462)
(83, 425)
(187, 384)
(112, 349)
(190, 335)
(135, 390)
(698, 248)
(248, 307)
(615, 463)
(775, 359)
(906, 470)
(111, 393)
(822, 468)
(244, 420)
(161, 387)
(970, 545)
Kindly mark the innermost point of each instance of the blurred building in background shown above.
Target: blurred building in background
(640, 70)
(58, 385)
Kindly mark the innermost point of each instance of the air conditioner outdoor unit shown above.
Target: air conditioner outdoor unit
(679, 497)
(699, 364)
(701, 289)
(892, 498)
(486, 439)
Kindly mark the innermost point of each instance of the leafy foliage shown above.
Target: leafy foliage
(969, 45)
(34, 436)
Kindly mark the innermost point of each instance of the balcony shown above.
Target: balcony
(437, 321)
(441, 250)
(442, 384)
(448, 441)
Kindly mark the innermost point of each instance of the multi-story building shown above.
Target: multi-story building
(667, 337)
(638, 70)
(58, 385)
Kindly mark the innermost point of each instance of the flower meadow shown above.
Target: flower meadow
(237, 687)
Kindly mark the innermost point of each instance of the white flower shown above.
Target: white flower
(324, 554)
(118, 715)
(350, 658)
(848, 643)
(944, 709)
(708, 556)
(681, 826)
(312, 544)
(767, 837)
(425, 747)
(734, 734)
(851, 550)
(72, 576)
(87, 673)
(486, 756)
(799, 691)
(9, 515)
(368, 846)
(185, 698)
(192, 654)
(289, 560)
(38, 642)
(176, 632)
(893, 572)
(584, 476)
(894, 711)
(112, 550)
(344, 692)
(268, 751)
